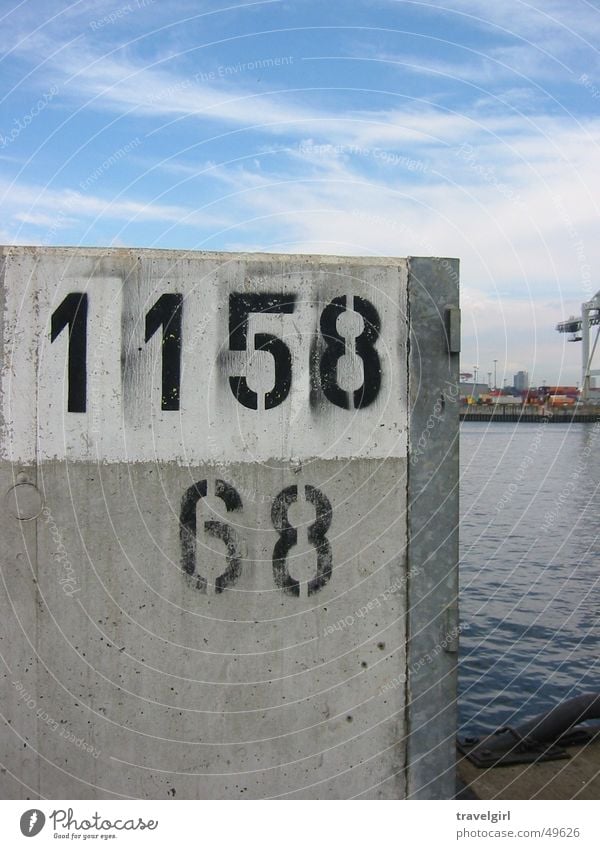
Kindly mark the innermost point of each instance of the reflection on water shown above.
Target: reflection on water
(529, 569)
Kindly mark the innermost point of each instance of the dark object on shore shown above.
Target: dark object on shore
(551, 726)
(534, 740)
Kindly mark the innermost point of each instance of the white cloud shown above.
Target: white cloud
(41, 219)
(106, 82)
(521, 212)
(521, 64)
(55, 209)
(522, 217)
(527, 19)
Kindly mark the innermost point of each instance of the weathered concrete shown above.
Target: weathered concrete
(214, 601)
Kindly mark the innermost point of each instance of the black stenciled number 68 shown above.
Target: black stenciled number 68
(241, 304)
(219, 530)
(336, 348)
(288, 538)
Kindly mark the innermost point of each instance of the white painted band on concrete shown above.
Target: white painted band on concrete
(123, 420)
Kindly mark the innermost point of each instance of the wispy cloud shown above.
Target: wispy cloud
(41, 206)
(527, 19)
(105, 81)
(481, 144)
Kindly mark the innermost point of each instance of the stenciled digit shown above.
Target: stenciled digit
(166, 314)
(241, 304)
(336, 347)
(72, 313)
(219, 530)
(288, 538)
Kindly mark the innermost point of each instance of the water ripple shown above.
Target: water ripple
(529, 569)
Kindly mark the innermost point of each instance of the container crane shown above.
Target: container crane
(580, 331)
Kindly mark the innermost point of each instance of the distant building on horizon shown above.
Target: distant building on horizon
(521, 381)
(471, 389)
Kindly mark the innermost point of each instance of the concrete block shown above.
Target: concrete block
(230, 525)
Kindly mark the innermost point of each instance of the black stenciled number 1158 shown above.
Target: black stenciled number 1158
(166, 314)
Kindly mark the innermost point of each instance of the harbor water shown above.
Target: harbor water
(529, 569)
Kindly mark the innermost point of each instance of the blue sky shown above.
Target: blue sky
(458, 128)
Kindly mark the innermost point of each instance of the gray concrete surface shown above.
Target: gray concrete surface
(273, 642)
